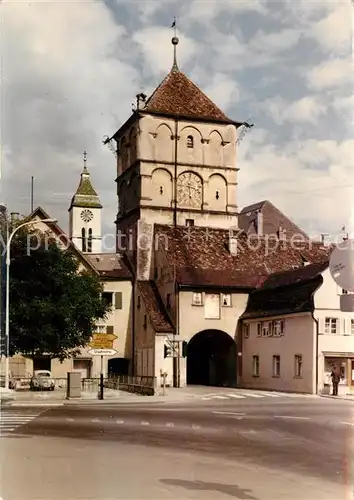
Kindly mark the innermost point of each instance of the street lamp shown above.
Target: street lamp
(7, 308)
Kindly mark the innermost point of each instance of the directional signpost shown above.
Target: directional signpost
(102, 345)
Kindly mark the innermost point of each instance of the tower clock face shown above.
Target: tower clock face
(86, 215)
(189, 190)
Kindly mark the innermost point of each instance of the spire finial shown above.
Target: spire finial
(85, 159)
(175, 43)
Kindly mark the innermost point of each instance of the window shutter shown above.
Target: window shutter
(340, 325)
(109, 329)
(118, 300)
(321, 325)
(347, 326)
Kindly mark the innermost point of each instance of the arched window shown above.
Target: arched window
(89, 242)
(190, 142)
(83, 239)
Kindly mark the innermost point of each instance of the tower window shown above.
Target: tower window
(83, 239)
(89, 242)
(161, 190)
(190, 222)
(190, 142)
(217, 196)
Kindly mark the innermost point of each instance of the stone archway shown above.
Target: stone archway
(212, 359)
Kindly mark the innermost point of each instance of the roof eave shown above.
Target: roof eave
(195, 118)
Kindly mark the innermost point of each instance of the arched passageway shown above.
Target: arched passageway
(211, 359)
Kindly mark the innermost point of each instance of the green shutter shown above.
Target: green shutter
(110, 329)
(118, 300)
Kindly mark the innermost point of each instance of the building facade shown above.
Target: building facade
(294, 334)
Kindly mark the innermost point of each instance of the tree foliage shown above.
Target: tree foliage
(53, 306)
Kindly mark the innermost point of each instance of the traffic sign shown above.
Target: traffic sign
(341, 265)
(102, 340)
(102, 352)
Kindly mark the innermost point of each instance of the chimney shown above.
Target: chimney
(232, 244)
(259, 223)
(14, 217)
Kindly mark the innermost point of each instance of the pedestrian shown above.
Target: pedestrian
(335, 380)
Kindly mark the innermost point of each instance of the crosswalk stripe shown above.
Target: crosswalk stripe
(238, 396)
(220, 397)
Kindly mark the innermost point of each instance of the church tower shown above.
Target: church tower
(85, 215)
(176, 162)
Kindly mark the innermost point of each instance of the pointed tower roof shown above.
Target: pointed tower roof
(85, 196)
(178, 95)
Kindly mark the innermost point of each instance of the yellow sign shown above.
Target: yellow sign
(102, 340)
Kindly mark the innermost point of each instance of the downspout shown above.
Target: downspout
(316, 347)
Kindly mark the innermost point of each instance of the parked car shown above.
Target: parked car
(42, 380)
(17, 382)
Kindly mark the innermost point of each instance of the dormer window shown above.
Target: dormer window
(190, 142)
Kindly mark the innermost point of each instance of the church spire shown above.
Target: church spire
(175, 43)
(85, 195)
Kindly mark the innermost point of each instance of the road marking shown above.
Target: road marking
(95, 420)
(119, 421)
(347, 423)
(254, 395)
(69, 419)
(238, 396)
(195, 426)
(43, 404)
(228, 413)
(220, 397)
(143, 422)
(292, 417)
(170, 424)
(272, 395)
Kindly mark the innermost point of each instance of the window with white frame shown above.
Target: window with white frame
(352, 326)
(226, 299)
(246, 330)
(298, 365)
(267, 328)
(197, 299)
(259, 329)
(255, 367)
(278, 328)
(276, 365)
(331, 325)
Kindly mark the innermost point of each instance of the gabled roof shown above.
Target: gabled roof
(110, 265)
(178, 95)
(85, 196)
(155, 307)
(273, 220)
(59, 232)
(287, 292)
(201, 256)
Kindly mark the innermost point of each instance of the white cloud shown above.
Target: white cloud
(332, 73)
(275, 42)
(308, 109)
(202, 10)
(157, 50)
(305, 179)
(222, 90)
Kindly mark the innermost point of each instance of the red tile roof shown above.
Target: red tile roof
(294, 276)
(177, 94)
(155, 307)
(273, 220)
(110, 265)
(201, 256)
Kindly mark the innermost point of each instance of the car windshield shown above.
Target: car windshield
(43, 374)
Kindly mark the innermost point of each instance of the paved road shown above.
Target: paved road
(247, 449)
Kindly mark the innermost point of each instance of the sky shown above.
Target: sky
(71, 71)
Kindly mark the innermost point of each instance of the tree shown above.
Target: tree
(53, 306)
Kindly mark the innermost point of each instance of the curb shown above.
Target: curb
(339, 398)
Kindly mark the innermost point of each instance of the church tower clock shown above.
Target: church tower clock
(85, 216)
